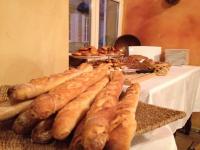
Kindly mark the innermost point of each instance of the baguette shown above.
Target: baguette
(8, 110)
(47, 104)
(76, 140)
(25, 122)
(123, 127)
(96, 126)
(42, 85)
(42, 132)
(68, 116)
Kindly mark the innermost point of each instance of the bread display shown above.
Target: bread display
(87, 104)
(70, 115)
(42, 85)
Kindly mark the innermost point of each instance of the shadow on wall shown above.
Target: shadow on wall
(14, 72)
(158, 23)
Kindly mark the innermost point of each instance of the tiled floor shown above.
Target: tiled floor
(185, 141)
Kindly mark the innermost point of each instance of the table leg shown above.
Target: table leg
(187, 128)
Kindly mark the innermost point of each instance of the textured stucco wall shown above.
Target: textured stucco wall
(33, 39)
(156, 23)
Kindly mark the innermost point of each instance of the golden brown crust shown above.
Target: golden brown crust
(121, 137)
(123, 127)
(47, 104)
(70, 115)
(25, 122)
(77, 138)
(42, 131)
(42, 85)
(96, 126)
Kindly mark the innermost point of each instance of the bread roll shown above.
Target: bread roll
(71, 114)
(97, 122)
(42, 85)
(9, 110)
(124, 125)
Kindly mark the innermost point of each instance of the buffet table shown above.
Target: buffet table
(179, 90)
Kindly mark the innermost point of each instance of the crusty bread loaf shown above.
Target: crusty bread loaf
(42, 131)
(42, 85)
(47, 104)
(25, 122)
(77, 138)
(9, 110)
(123, 127)
(97, 122)
(70, 115)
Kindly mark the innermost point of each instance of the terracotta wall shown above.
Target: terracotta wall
(33, 39)
(158, 23)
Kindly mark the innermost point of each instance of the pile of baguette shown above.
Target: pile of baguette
(84, 101)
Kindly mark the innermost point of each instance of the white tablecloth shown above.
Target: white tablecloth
(159, 139)
(179, 90)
